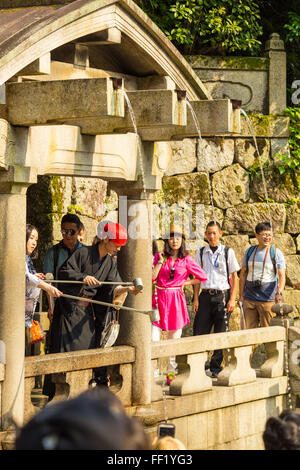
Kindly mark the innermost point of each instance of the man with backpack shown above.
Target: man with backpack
(262, 278)
(217, 299)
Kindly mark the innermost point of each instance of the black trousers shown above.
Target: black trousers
(211, 314)
(99, 373)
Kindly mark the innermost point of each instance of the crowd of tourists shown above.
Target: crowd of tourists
(76, 323)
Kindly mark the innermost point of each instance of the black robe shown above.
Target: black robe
(74, 326)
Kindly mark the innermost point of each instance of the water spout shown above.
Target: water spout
(181, 94)
(116, 105)
(117, 83)
(236, 104)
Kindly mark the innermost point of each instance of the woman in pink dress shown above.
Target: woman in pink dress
(171, 271)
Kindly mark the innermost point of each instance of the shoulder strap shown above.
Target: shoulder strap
(226, 259)
(249, 253)
(272, 254)
(201, 255)
(273, 258)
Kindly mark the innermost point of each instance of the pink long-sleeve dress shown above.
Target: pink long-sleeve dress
(170, 299)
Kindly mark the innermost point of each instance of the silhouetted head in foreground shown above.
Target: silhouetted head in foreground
(167, 443)
(283, 433)
(95, 420)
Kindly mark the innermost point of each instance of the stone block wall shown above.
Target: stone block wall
(227, 418)
(241, 78)
(225, 165)
(54, 196)
(219, 171)
(258, 82)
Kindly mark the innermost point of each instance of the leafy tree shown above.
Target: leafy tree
(207, 26)
(284, 19)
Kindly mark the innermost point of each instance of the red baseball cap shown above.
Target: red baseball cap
(114, 231)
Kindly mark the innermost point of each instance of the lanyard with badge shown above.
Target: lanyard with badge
(258, 282)
(215, 264)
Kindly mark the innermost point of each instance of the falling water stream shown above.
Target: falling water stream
(286, 358)
(197, 125)
(260, 164)
(140, 154)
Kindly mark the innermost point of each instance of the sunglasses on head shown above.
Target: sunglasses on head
(68, 231)
(175, 235)
(172, 274)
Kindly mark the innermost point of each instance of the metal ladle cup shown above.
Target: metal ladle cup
(137, 282)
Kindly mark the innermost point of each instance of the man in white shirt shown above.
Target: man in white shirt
(218, 296)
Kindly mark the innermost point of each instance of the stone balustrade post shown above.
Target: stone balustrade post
(238, 369)
(13, 187)
(274, 365)
(135, 260)
(274, 50)
(192, 377)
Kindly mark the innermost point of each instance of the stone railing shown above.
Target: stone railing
(72, 372)
(192, 353)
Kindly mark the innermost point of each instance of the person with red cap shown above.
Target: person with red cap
(77, 325)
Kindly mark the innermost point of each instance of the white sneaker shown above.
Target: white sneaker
(172, 366)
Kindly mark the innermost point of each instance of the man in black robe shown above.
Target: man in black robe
(77, 325)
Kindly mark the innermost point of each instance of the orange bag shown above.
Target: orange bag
(36, 333)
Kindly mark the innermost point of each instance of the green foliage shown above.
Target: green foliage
(197, 25)
(282, 17)
(293, 28)
(255, 169)
(290, 164)
(73, 209)
(284, 165)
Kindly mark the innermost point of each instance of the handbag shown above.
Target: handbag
(35, 333)
(111, 329)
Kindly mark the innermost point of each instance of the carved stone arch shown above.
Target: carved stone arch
(29, 33)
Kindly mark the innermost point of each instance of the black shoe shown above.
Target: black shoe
(215, 373)
(103, 381)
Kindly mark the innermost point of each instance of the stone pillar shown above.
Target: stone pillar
(274, 50)
(135, 260)
(13, 186)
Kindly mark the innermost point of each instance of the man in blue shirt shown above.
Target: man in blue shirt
(262, 278)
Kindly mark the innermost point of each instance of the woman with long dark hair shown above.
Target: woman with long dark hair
(171, 271)
(34, 280)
